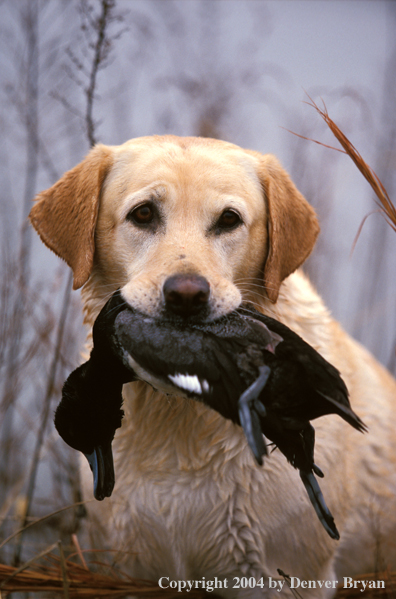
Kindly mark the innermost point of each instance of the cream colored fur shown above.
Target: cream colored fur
(189, 500)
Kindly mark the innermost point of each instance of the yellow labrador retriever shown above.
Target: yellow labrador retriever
(190, 503)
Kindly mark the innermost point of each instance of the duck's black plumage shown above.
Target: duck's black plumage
(90, 410)
(247, 366)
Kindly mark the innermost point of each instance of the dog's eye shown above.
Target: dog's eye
(228, 220)
(142, 215)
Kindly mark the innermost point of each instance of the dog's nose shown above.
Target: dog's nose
(186, 294)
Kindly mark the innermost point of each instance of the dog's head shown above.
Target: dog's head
(186, 225)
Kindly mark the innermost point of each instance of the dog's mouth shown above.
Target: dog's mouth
(178, 321)
(182, 297)
(184, 320)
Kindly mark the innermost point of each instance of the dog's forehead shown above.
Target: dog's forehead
(183, 162)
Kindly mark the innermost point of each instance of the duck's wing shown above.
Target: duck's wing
(330, 394)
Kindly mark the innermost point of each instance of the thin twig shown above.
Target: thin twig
(64, 571)
(288, 580)
(32, 71)
(78, 549)
(360, 229)
(320, 143)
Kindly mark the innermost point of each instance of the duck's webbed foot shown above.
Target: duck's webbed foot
(102, 466)
(316, 497)
(250, 409)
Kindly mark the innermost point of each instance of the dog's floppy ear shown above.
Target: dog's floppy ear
(292, 225)
(65, 214)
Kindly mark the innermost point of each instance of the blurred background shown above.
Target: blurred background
(239, 70)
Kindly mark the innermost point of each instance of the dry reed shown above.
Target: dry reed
(67, 579)
(383, 201)
(64, 576)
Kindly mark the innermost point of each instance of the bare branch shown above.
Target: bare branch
(45, 414)
(101, 49)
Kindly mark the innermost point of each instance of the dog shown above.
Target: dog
(150, 217)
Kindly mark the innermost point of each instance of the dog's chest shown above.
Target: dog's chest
(188, 489)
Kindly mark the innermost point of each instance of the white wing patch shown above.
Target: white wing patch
(190, 382)
(205, 386)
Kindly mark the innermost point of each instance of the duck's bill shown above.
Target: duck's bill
(102, 466)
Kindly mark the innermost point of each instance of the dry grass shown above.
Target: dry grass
(58, 576)
(383, 201)
(65, 578)
(78, 582)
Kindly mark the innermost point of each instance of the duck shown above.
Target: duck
(247, 366)
(90, 410)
